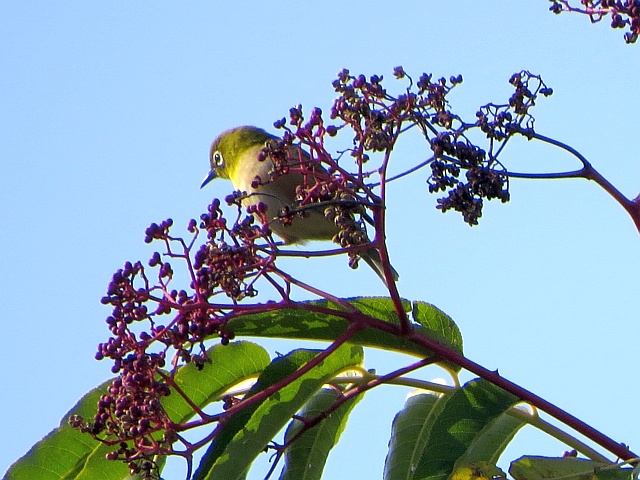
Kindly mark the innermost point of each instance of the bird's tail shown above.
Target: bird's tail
(372, 257)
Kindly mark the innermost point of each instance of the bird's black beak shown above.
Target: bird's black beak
(210, 176)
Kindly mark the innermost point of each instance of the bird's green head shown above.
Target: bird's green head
(228, 148)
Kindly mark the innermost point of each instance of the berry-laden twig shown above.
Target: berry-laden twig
(623, 14)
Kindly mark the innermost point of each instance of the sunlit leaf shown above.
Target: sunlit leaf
(69, 454)
(461, 422)
(568, 468)
(315, 321)
(409, 434)
(306, 457)
(241, 439)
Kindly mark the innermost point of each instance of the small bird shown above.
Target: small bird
(235, 156)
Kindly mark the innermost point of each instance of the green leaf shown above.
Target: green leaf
(542, 468)
(439, 326)
(311, 321)
(229, 365)
(241, 438)
(491, 441)
(63, 452)
(67, 454)
(409, 433)
(459, 425)
(306, 456)
(279, 369)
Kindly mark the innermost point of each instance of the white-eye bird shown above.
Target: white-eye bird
(234, 156)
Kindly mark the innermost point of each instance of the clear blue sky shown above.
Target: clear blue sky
(107, 110)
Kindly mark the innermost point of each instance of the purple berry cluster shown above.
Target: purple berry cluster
(481, 182)
(623, 14)
(146, 351)
(376, 118)
(485, 177)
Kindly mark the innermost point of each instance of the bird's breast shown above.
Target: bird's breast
(279, 196)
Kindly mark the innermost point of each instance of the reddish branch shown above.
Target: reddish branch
(588, 172)
(618, 449)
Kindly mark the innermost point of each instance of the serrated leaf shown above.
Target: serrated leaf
(67, 454)
(254, 427)
(465, 415)
(567, 468)
(439, 325)
(307, 323)
(304, 321)
(306, 457)
(409, 434)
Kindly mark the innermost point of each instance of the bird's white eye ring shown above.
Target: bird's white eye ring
(217, 159)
